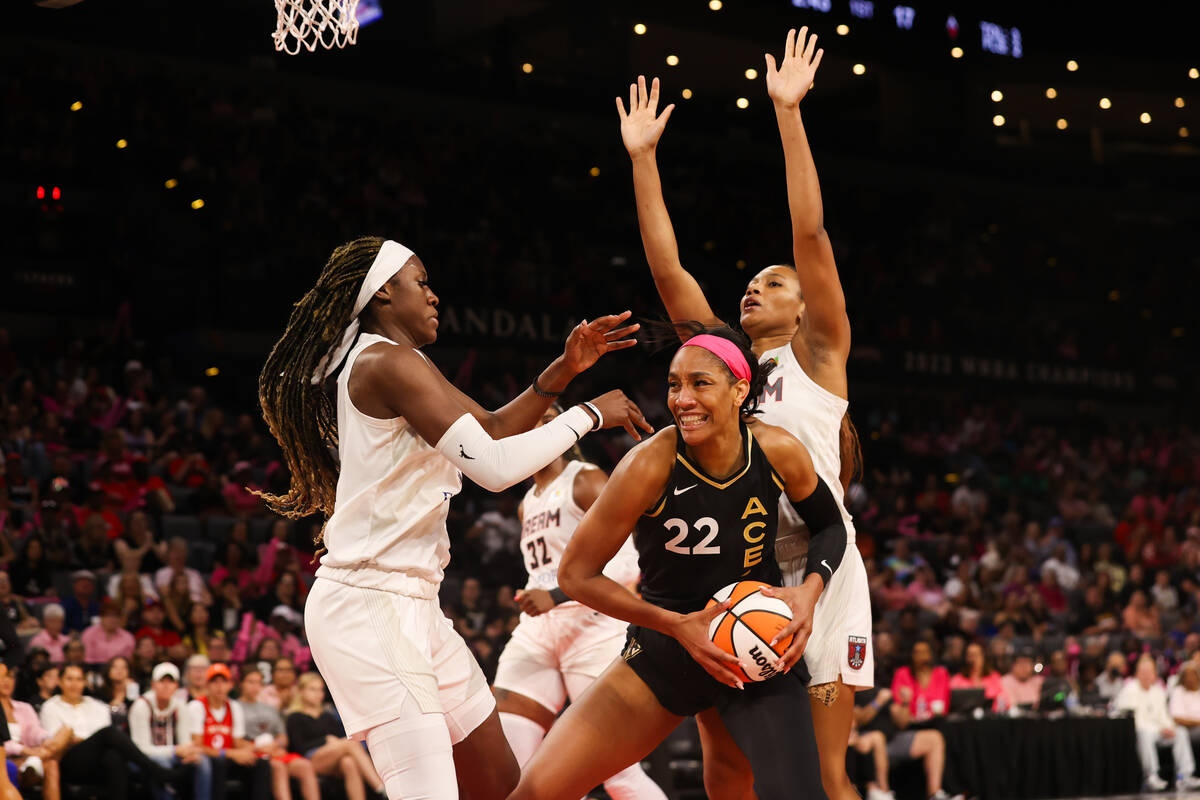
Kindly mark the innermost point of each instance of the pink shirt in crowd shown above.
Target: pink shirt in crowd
(53, 645)
(992, 685)
(923, 702)
(99, 645)
(1023, 693)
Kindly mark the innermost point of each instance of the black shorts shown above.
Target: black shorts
(771, 721)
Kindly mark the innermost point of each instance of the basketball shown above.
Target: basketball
(747, 628)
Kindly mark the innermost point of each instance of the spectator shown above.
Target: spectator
(1145, 697)
(129, 594)
(233, 567)
(31, 573)
(281, 693)
(1022, 685)
(155, 726)
(284, 592)
(47, 685)
(107, 639)
(264, 727)
(138, 552)
(74, 652)
(153, 617)
(14, 608)
(35, 753)
(977, 673)
(146, 654)
(1140, 618)
(317, 735)
(922, 688)
(228, 607)
(195, 678)
(118, 691)
(82, 605)
(239, 492)
(99, 752)
(877, 713)
(51, 637)
(94, 549)
(1185, 701)
(198, 632)
(177, 602)
(177, 553)
(217, 726)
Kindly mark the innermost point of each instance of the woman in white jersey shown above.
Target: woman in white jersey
(796, 317)
(401, 678)
(560, 647)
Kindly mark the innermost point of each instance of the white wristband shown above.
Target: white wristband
(599, 417)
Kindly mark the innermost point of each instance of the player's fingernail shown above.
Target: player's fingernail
(740, 685)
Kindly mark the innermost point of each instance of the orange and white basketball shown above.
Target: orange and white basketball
(746, 629)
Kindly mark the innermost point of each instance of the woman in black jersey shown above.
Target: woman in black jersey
(701, 497)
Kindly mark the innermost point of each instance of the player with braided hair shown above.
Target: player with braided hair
(401, 677)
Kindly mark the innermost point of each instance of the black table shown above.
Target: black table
(998, 758)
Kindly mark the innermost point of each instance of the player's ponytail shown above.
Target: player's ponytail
(301, 414)
(660, 334)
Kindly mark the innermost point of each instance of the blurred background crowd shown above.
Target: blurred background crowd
(1023, 376)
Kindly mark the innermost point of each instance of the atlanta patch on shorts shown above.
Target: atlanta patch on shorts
(858, 651)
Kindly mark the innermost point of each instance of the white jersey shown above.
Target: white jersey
(793, 401)
(549, 518)
(388, 529)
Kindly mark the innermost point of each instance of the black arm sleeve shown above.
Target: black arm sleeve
(558, 596)
(821, 514)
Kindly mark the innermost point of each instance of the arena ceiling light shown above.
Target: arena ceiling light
(997, 95)
(842, 30)
(1105, 103)
(751, 74)
(1072, 65)
(686, 94)
(639, 29)
(1051, 93)
(956, 52)
(1061, 124)
(672, 60)
(998, 120)
(859, 69)
(743, 102)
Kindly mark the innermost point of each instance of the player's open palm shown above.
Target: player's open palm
(642, 126)
(590, 340)
(788, 83)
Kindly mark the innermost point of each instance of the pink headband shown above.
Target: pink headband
(725, 350)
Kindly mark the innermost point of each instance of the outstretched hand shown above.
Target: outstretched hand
(642, 127)
(590, 340)
(788, 84)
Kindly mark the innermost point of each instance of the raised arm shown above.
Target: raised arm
(641, 129)
(637, 482)
(828, 325)
(586, 344)
(399, 380)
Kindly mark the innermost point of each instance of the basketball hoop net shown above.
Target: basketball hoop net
(313, 23)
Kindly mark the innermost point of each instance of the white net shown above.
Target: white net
(314, 23)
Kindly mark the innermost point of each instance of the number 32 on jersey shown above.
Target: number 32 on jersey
(753, 534)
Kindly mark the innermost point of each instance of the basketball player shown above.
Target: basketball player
(400, 676)
(796, 318)
(560, 646)
(702, 498)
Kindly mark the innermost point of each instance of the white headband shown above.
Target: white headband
(391, 258)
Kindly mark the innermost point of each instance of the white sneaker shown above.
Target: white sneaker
(940, 794)
(1187, 784)
(1155, 784)
(875, 793)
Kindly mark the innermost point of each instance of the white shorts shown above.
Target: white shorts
(841, 643)
(376, 648)
(555, 655)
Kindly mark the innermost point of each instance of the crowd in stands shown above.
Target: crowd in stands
(1053, 561)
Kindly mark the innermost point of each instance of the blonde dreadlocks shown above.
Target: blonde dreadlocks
(300, 414)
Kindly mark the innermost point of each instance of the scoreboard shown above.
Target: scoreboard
(962, 27)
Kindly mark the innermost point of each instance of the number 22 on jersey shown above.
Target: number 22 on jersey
(753, 534)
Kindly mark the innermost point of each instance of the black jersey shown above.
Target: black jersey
(703, 534)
